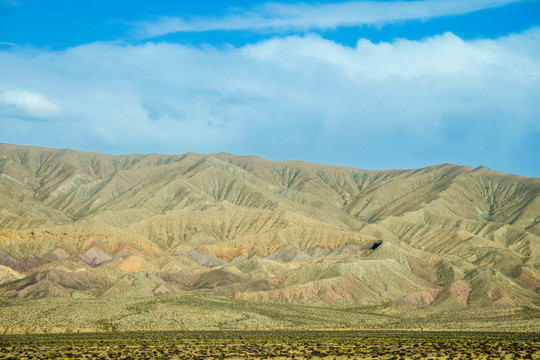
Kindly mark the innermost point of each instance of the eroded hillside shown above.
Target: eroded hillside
(85, 225)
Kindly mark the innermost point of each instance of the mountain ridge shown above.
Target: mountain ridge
(251, 229)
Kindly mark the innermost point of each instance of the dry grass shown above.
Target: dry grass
(273, 344)
(172, 312)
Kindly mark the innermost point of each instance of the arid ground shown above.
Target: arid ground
(273, 344)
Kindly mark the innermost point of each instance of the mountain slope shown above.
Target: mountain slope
(75, 224)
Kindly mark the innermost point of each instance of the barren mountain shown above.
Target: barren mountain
(91, 226)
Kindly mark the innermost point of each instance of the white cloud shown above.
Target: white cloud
(279, 16)
(27, 103)
(373, 105)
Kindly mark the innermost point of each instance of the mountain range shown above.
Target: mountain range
(85, 228)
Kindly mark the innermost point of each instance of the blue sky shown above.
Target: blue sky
(366, 84)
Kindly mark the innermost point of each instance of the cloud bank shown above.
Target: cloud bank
(272, 17)
(375, 105)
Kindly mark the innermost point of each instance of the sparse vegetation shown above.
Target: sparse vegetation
(272, 344)
(201, 312)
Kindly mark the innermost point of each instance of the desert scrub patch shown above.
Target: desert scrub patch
(272, 344)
